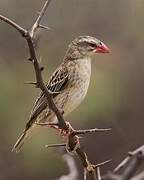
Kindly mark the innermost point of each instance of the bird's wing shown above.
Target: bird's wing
(56, 84)
(58, 81)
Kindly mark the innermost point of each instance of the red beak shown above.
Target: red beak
(102, 49)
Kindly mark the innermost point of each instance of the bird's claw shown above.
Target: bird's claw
(68, 131)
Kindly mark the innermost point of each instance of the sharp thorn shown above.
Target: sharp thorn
(31, 83)
(102, 163)
(55, 145)
(97, 129)
(85, 131)
(47, 124)
(44, 27)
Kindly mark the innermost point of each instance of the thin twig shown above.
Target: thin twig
(44, 27)
(46, 124)
(22, 31)
(38, 20)
(98, 173)
(86, 164)
(30, 83)
(102, 163)
(77, 132)
(97, 167)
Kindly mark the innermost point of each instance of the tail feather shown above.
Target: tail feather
(19, 143)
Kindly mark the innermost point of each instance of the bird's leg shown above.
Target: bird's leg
(67, 132)
(50, 125)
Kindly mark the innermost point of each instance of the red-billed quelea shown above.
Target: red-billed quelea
(69, 83)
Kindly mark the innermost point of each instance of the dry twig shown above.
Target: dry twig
(128, 167)
(127, 159)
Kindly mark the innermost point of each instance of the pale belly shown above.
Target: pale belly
(75, 98)
(76, 95)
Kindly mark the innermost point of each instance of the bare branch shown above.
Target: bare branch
(128, 167)
(22, 31)
(97, 167)
(44, 27)
(126, 160)
(38, 20)
(98, 173)
(86, 164)
(131, 168)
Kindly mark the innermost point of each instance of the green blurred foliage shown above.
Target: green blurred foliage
(115, 98)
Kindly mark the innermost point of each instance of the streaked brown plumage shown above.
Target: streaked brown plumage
(68, 84)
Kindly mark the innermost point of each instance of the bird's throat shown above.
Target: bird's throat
(84, 66)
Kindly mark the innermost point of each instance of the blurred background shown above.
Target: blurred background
(115, 98)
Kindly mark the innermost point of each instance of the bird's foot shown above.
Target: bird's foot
(51, 125)
(68, 131)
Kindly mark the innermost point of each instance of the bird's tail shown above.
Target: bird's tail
(19, 143)
(23, 136)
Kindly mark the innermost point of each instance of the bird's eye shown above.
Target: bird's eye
(100, 43)
(93, 45)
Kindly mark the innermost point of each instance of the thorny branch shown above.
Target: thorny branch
(38, 20)
(28, 35)
(126, 170)
(128, 167)
(127, 159)
(72, 143)
(73, 170)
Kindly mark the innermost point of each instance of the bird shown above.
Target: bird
(68, 84)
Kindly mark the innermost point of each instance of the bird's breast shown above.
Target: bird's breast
(79, 79)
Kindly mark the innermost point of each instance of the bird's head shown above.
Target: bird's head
(86, 46)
